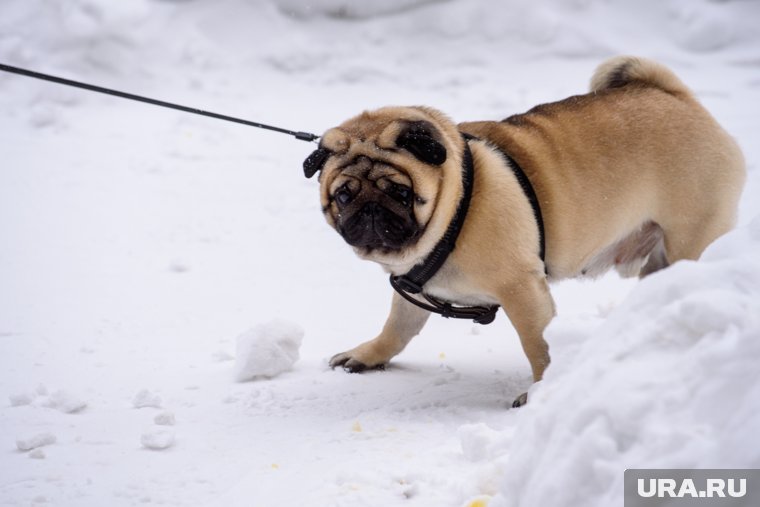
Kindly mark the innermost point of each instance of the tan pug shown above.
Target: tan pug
(634, 175)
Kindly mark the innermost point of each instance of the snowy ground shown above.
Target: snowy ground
(139, 243)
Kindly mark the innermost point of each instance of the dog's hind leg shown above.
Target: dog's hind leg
(657, 260)
(687, 240)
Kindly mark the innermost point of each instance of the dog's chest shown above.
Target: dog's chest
(450, 285)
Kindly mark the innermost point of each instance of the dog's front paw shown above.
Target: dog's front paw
(520, 400)
(358, 359)
(348, 363)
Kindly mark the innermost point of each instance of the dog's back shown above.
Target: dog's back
(634, 171)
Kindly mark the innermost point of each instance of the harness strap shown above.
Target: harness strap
(414, 281)
(530, 193)
(418, 276)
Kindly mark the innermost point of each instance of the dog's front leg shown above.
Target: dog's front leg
(404, 323)
(530, 308)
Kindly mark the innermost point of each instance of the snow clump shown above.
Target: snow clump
(267, 350)
(146, 398)
(65, 402)
(157, 439)
(61, 400)
(33, 442)
(165, 419)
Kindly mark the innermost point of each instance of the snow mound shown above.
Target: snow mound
(145, 398)
(21, 399)
(165, 419)
(37, 454)
(157, 439)
(267, 350)
(669, 380)
(348, 9)
(61, 400)
(35, 441)
(479, 442)
(66, 402)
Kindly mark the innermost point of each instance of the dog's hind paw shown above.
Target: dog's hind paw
(520, 400)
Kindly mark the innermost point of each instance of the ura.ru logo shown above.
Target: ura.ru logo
(714, 488)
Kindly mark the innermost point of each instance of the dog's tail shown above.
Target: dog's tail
(622, 70)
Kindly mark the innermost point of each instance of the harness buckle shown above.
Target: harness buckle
(486, 318)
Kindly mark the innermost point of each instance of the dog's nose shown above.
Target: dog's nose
(369, 209)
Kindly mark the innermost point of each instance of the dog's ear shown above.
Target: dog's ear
(417, 139)
(315, 161)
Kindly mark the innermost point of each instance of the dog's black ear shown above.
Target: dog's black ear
(418, 140)
(315, 161)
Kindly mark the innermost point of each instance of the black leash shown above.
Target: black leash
(303, 136)
(406, 285)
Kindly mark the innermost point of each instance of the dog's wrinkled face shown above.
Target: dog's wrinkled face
(381, 174)
(375, 205)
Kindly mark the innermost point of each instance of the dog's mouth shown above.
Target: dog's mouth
(375, 227)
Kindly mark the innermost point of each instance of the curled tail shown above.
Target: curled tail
(621, 70)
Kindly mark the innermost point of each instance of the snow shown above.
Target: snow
(349, 9)
(139, 242)
(165, 418)
(267, 350)
(65, 402)
(479, 442)
(37, 453)
(146, 398)
(20, 399)
(685, 347)
(35, 441)
(60, 399)
(157, 439)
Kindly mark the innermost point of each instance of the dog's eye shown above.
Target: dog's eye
(402, 194)
(343, 196)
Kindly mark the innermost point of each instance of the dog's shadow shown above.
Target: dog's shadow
(406, 387)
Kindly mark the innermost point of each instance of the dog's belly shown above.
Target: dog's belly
(627, 255)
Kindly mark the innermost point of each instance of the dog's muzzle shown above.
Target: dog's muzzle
(374, 226)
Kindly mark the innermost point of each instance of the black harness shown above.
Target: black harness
(415, 279)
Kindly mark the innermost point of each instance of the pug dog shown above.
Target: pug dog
(634, 175)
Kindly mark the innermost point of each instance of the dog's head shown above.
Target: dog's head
(390, 180)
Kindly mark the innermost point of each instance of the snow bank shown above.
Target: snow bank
(267, 350)
(348, 9)
(669, 380)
